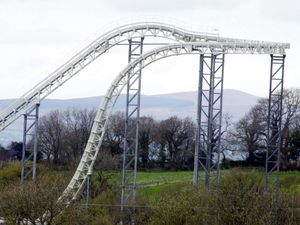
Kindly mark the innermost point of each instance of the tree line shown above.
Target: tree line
(170, 143)
(250, 133)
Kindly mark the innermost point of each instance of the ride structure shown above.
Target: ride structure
(212, 50)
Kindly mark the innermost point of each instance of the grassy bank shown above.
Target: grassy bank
(164, 197)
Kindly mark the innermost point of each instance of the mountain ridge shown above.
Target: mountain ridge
(182, 104)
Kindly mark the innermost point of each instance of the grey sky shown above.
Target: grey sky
(37, 36)
(179, 5)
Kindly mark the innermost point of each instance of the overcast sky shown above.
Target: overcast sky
(37, 36)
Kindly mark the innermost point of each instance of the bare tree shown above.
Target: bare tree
(32, 202)
(226, 137)
(251, 131)
(114, 136)
(78, 125)
(291, 106)
(177, 137)
(51, 132)
(146, 138)
(63, 135)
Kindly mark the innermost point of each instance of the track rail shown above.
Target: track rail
(96, 137)
(191, 42)
(116, 36)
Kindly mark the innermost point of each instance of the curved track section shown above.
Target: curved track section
(96, 137)
(114, 37)
(88, 55)
(198, 42)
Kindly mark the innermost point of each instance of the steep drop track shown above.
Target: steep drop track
(191, 42)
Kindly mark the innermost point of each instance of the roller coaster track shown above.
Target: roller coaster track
(114, 37)
(100, 122)
(191, 42)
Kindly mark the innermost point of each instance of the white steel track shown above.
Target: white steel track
(191, 42)
(92, 148)
(96, 136)
(116, 36)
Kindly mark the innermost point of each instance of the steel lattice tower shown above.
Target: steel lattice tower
(274, 135)
(188, 42)
(131, 135)
(209, 117)
(30, 129)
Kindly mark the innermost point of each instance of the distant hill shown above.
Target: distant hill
(236, 103)
(182, 104)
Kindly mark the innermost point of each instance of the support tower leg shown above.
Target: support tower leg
(131, 144)
(29, 151)
(209, 117)
(274, 138)
(86, 191)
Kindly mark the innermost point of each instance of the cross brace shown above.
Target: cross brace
(274, 136)
(30, 137)
(209, 117)
(131, 137)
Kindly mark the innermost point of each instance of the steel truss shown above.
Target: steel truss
(190, 41)
(29, 151)
(209, 117)
(100, 123)
(274, 138)
(110, 39)
(86, 191)
(131, 135)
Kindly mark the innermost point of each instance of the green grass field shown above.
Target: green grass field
(180, 176)
(151, 182)
(165, 195)
(153, 178)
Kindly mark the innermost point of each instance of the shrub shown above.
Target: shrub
(10, 173)
(184, 205)
(30, 201)
(241, 200)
